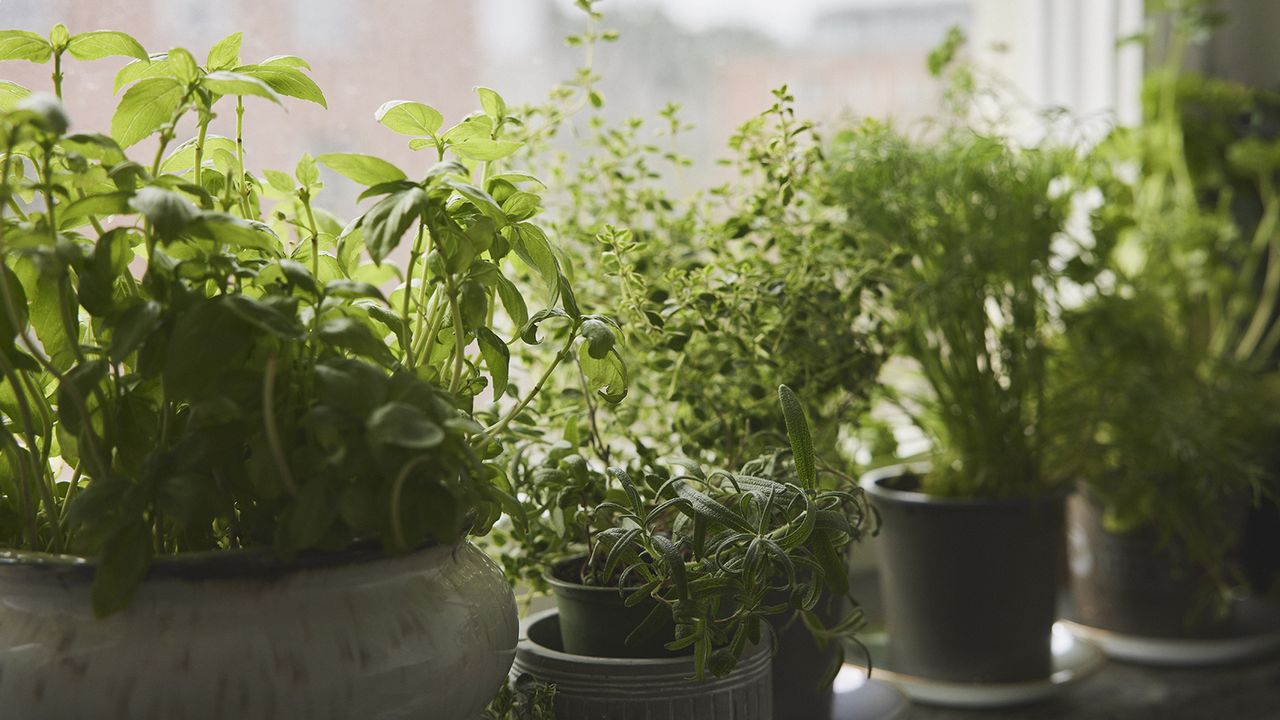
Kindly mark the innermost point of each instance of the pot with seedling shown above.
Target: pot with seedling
(969, 548)
(237, 478)
(684, 570)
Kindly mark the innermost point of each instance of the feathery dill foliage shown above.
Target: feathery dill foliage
(964, 227)
(1166, 385)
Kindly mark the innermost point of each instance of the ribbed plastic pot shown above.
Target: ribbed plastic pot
(1131, 583)
(595, 620)
(599, 688)
(347, 636)
(969, 585)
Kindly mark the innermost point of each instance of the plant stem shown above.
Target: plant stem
(57, 74)
(519, 407)
(269, 420)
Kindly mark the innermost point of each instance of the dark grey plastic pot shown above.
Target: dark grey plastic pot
(799, 665)
(969, 585)
(595, 620)
(1131, 583)
(594, 688)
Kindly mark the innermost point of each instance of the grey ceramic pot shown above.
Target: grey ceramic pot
(591, 688)
(352, 636)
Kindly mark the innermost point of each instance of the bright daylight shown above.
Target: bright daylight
(639, 360)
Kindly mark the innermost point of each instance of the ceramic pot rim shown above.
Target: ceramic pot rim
(876, 483)
(241, 563)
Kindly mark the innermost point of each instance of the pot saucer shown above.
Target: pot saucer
(1254, 631)
(859, 698)
(1073, 660)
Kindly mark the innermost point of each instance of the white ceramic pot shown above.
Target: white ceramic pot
(358, 636)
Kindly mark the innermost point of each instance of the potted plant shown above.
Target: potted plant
(238, 477)
(685, 562)
(721, 295)
(1167, 379)
(966, 228)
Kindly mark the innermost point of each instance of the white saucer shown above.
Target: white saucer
(1073, 660)
(858, 698)
(1254, 631)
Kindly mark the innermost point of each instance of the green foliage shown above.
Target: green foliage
(967, 229)
(1166, 381)
(191, 359)
(720, 552)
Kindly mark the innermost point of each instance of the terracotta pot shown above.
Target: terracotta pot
(351, 636)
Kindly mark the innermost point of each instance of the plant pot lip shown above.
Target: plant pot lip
(561, 584)
(239, 563)
(876, 484)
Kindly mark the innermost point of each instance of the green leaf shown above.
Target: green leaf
(144, 108)
(364, 169)
(534, 249)
(59, 36)
(236, 232)
(102, 205)
(291, 61)
(167, 211)
(207, 339)
(702, 504)
(600, 338)
(24, 45)
(386, 222)
(473, 304)
(306, 172)
(513, 302)
(268, 317)
(105, 43)
(497, 357)
(134, 327)
(125, 558)
(11, 94)
(159, 65)
(353, 335)
(403, 425)
(225, 54)
(521, 205)
(287, 81)
(184, 157)
(281, 181)
(185, 68)
(485, 149)
(9, 331)
(409, 118)
(493, 104)
(225, 82)
(606, 376)
(483, 201)
(352, 289)
(798, 434)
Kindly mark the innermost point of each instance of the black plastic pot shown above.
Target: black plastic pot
(799, 665)
(969, 585)
(594, 688)
(595, 620)
(1130, 583)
